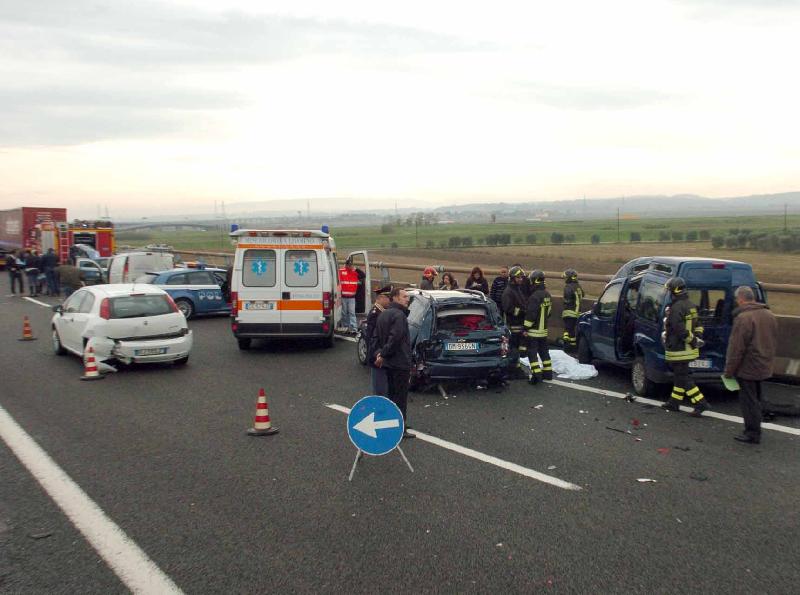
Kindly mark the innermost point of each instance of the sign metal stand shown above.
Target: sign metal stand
(375, 427)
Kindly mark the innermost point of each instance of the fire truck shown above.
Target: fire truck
(35, 228)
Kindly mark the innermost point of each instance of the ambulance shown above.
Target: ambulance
(284, 283)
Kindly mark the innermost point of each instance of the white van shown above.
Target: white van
(285, 283)
(128, 266)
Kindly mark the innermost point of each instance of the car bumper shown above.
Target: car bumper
(173, 349)
(466, 370)
(254, 331)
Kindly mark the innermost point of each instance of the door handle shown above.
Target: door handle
(286, 295)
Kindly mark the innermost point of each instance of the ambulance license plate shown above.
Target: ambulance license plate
(704, 364)
(253, 305)
(151, 351)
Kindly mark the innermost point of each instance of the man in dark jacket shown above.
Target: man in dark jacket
(498, 287)
(49, 264)
(682, 340)
(513, 304)
(378, 382)
(15, 266)
(751, 349)
(394, 349)
(537, 312)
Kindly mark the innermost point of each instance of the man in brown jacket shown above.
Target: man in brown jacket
(751, 349)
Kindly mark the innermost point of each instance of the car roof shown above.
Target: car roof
(682, 259)
(185, 270)
(451, 295)
(122, 289)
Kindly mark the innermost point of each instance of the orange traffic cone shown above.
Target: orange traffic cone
(262, 426)
(27, 334)
(90, 366)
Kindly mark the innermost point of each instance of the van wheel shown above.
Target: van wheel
(186, 307)
(642, 385)
(244, 344)
(329, 341)
(584, 351)
(361, 351)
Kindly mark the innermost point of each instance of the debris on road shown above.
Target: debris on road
(663, 451)
(551, 467)
(41, 535)
(683, 448)
(699, 477)
(539, 406)
(646, 480)
(630, 397)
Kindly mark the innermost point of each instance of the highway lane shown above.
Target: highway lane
(163, 452)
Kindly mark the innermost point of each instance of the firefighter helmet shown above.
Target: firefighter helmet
(516, 272)
(676, 286)
(570, 274)
(537, 277)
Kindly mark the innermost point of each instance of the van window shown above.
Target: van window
(609, 300)
(258, 268)
(651, 298)
(301, 268)
(711, 305)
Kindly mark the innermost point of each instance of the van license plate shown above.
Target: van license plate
(704, 364)
(461, 346)
(151, 351)
(259, 305)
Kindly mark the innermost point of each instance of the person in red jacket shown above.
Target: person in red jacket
(349, 280)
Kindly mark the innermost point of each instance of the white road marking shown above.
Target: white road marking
(346, 338)
(138, 572)
(468, 452)
(714, 414)
(30, 299)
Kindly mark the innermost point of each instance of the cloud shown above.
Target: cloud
(584, 98)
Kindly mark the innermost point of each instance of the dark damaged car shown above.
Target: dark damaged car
(455, 336)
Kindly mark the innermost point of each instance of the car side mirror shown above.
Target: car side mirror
(58, 309)
(596, 308)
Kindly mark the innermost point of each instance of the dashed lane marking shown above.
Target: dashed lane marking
(474, 454)
(133, 567)
(714, 414)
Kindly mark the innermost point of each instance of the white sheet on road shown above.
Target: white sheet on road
(564, 366)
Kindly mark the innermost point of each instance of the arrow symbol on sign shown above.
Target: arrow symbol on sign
(368, 425)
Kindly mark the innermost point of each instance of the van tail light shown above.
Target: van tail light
(105, 309)
(717, 265)
(504, 346)
(234, 303)
(173, 306)
(326, 303)
(125, 272)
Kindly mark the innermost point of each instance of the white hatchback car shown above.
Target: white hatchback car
(131, 323)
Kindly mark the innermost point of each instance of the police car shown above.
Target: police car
(196, 292)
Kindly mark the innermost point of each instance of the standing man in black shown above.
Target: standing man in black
(514, 301)
(751, 351)
(394, 349)
(378, 381)
(537, 312)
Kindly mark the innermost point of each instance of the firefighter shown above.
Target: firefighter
(682, 338)
(573, 294)
(514, 301)
(536, 314)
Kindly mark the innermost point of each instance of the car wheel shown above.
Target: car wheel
(361, 351)
(58, 348)
(244, 344)
(584, 351)
(186, 307)
(182, 361)
(642, 385)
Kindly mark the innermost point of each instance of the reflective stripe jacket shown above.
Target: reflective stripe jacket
(538, 311)
(573, 294)
(514, 302)
(682, 326)
(349, 281)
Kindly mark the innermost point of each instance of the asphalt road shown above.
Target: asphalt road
(163, 452)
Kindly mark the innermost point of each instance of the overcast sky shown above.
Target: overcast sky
(169, 105)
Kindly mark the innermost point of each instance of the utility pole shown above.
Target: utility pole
(785, 213)
(617, 225)
(416, 232)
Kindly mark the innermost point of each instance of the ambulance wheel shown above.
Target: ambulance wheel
(186, 307)
(329, 341)
(244, 344)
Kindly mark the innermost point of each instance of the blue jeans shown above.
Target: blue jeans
(349, 313)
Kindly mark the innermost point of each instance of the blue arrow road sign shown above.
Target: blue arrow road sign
(375, 425)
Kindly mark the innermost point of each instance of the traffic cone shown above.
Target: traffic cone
(90, 366)
(262, 426)
(27, 334)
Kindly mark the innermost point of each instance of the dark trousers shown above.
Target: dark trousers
(750, 401)
(682, 383)
(52, 282)
(538, 346)
(378, 382)
(16, 277)
(398, 388)
(33, 286)
(569, 331)
(518, 345)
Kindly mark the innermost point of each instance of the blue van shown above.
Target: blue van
(195, 291)
(625, 324)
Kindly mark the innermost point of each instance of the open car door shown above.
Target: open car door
(364, 294)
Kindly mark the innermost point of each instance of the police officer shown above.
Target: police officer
(682, 340)
(379, 383)
(573, 294)
(537, 312)
(514, 302)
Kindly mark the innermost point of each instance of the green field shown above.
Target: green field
(430, 236)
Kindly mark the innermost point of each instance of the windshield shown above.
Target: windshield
(137, 306)
(472, 318)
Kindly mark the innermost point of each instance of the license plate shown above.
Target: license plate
(259, 305)
(461, 346)
(151, 351)
(700, 363)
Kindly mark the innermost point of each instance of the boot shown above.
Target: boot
(535, 378)
(700, 406)
(671, 405)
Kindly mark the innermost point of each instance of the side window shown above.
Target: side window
(258, 268)
(73, 304)
(181, 279)
(417, 309)
(201, 278)
(609, 300)
(301, 268)
(86, 304)
(650, 300)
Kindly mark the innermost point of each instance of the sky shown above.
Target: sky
(166, 106)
